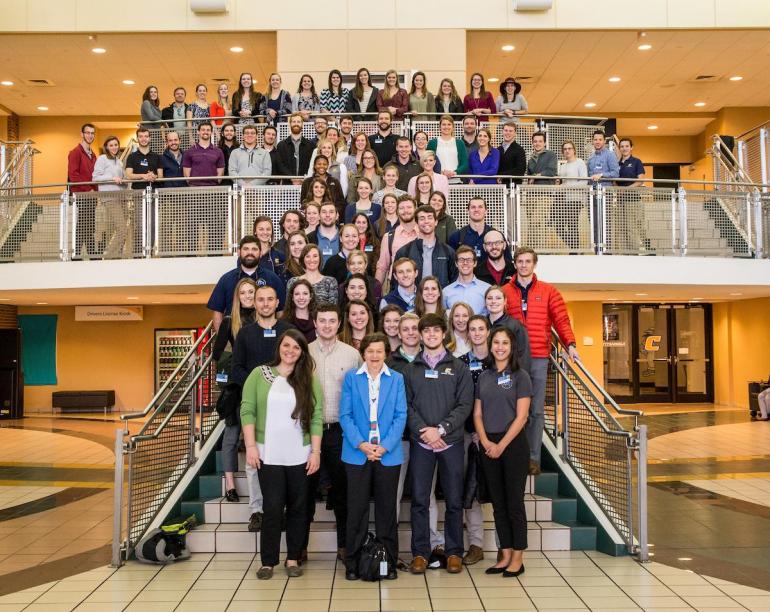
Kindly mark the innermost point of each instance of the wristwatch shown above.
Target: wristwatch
(441, 430)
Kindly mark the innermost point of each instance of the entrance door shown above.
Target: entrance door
(658, 352)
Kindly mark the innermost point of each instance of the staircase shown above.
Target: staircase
(552, 518)
(703, 236)
(41, 242)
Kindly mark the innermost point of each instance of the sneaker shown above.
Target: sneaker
(534, 468)
(437, 558)
(255, 522)
(474, 555)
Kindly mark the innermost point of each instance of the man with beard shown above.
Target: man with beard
(221, 300)
(404, 232)
(346, 130)
(470, 127)
(293, 154)
(320, 124)
(472, 235)
(383, 143)
(496, 269)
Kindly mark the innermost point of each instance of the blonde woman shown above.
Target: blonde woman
(429, 161)
(392, 97)
(359, 144)
(390, 178)
(459, 315)
(221, 107)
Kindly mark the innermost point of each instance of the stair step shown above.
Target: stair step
(235, 537)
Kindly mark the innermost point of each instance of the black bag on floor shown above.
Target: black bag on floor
(373, 564)
(166, 544)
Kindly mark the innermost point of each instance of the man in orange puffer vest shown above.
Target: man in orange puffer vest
(539, 306)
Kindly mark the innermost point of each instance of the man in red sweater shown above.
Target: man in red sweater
(80, 169)
(539, 306)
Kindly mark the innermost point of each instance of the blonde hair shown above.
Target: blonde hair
(451, 343)
(235, 313)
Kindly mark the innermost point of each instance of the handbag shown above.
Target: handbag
(229, 403)
(373, 563)
(475, 488)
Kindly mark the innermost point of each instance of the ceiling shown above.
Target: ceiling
(86, 83)
(570, 69)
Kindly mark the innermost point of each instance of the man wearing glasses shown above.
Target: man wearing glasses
(80, 169)
(496, 269)
(467, 288)
(473, 234)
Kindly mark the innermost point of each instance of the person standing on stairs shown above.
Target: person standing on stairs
(501, 406)
(539, 306)
(282, 416)
(333, 358)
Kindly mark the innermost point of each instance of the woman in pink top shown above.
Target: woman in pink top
(440, 182)
(479, 101)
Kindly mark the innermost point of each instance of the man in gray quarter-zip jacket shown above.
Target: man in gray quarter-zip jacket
(250, 160)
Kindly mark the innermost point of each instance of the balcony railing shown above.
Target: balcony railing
(585, 219)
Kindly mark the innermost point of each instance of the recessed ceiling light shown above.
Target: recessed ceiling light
(652, 127)
(156, 302)
(614, 79)
(697, 298)
(236, 49)
(508, 47)
(42, 108)
(644, 47)
(736, 293)
(590, 104)
(128, 82)
(42, 303)
(684, 558)
(493, 79)
(5, 299)
(736, 78)
(699, 104)
(6, 83)
(132, 297)
(98, 50)
(640, 294)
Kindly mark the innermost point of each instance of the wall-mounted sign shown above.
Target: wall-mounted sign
(109, 313)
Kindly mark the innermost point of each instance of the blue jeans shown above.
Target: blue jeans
(538, 372)
(450, 468)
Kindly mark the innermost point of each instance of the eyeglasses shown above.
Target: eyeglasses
(465, 260)
(496, 243)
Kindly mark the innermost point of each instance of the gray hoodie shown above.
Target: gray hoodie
(249, 163)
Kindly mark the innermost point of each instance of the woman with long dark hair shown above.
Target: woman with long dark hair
(282, 417)
(291, 266)
(392, 97)
(429, 298)
(306, 101)
(388, 216)
(420, 99)
(150, 109)
(446, 225)
(390, 317)
(246, 99)
(357, 323)
(324, 287)
(479, 101)
(363, 97)
(300, 308)
(334, 99)
(503, 395)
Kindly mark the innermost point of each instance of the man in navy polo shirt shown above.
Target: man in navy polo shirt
(203, 159)
(472, 235)
(221, 300)
(630, 224)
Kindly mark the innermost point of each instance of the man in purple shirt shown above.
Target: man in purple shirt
(203, 159)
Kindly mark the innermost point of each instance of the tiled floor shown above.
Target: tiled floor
(746, 488)
(552, 581)
(11, 496)
(751, 438)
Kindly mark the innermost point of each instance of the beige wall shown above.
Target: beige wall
(174, 15)
(107, 355)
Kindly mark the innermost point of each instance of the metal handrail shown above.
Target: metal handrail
(171, 379)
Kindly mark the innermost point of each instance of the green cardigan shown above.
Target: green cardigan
(254, 405)
(462, 154)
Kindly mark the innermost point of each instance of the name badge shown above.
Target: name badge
(144, 163)
(475, 366)
(378, 140)
(327, 252)
(431, 373)
(478, 251)
(269, 333)
(368, 248)
(222, 377)
(504, 380)
(524, 306)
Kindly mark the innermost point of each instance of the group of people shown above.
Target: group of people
(371, 350)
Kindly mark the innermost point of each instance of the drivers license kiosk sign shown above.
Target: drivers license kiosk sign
(109, 313)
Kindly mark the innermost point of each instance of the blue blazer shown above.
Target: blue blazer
(354, 416)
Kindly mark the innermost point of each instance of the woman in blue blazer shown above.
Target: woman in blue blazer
(373, 417)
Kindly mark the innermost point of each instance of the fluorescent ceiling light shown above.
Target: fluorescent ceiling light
(236, 49)
(508, 47)
(98, 50)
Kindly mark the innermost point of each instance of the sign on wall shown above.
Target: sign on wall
(109, 313)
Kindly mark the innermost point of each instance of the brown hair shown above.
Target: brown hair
(419, 303)
(289, 310)
(373, 338)
(346, 335)
(522, 250)
(300, 379)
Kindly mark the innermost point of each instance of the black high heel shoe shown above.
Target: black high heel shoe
(518, 572)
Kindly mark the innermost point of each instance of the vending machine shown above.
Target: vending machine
(171, 345)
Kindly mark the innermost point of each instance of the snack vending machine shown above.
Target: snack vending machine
(171, 345)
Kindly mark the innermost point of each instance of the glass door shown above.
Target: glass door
(692, 357)
(653, 358)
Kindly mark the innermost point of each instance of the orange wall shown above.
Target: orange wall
(104, 355)
(586, 318)
(741, 354)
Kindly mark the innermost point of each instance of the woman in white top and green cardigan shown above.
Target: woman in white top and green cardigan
(282, 419)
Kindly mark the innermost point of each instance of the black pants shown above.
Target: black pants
(422, 463)
(282, 487)
(381, 480)
(331, 453)
(506, 483)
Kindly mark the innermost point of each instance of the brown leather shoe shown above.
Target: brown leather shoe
(454, 564)
(534, 468)
(474, 555)
(419, 565)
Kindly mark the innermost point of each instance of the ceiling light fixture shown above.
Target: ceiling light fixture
(652, 127)
(98, 50)
(6, 83)
(42, 108)
(644, 47)
(236, 49)
(132, 297)
(699, 104)
(737, 293)
(697, 298)
(41, 303)
(128, 82)
(590, 104)
(684, 558)
(614, 79)
(493, 79)
(5, 299)
(508, 47)
(640, 294)
(736, 78)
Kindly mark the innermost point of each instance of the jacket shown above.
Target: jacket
(545, 309)
(455, 109)
(446, 400)
(400, 102)
(254, 348)
(354, 416)
(406, 171)
(354, 105)
(107, 169)
(284, 110)
(462, 154)
(394, 297)
(167, 114)
(488, 167)
(522, 340)
(482, 272)
(236, 102)
(333, 187)
(544, 163)
(444, 268)
(513, 161)
(244, 162)
(172, 169)
(285, 157)
(80, 169)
